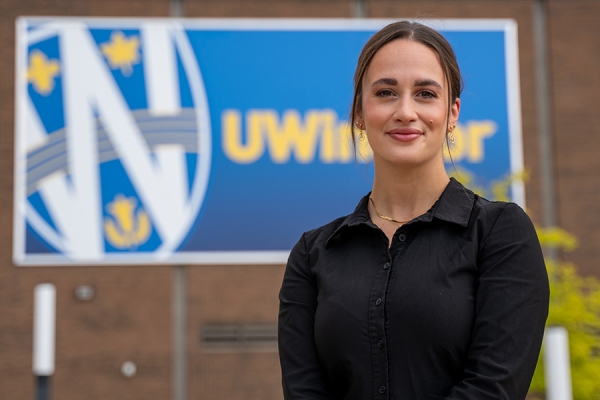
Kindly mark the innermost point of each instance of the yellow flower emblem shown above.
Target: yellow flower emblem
(122, 52)
(41, 72)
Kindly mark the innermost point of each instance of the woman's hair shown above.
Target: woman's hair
(415, 32)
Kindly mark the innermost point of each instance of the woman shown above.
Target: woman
(426, 291)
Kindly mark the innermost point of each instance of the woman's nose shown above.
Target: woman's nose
(405, 111)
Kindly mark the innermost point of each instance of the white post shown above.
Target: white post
(557, 366)
(44, 328)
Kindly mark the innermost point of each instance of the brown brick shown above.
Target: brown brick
(130, 317)
(575, 72)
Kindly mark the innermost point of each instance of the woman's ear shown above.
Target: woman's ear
(359, 122)
(454, 112)
(358, 119)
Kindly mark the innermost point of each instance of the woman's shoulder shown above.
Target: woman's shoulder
(493, 208)
(494, 215)
(460, 205)
(320, 235)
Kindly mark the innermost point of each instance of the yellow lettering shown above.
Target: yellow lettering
(330, 137)
(478, 131)
(232, 139)
(468, 143)
(345, 142)
(290, 135)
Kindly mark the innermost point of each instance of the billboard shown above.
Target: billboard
(208, 141)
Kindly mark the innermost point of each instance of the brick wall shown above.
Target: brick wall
(130, 317)
(575, 71)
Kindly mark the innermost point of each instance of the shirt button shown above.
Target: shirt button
(378, 301)
(386, 265)
(382, 389)
(402, 237)
(380, 344)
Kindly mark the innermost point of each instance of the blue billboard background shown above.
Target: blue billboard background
(277, 102)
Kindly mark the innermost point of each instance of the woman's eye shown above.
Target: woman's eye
(384, 93)
(426, 94)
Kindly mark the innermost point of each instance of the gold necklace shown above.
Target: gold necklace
(383, 216)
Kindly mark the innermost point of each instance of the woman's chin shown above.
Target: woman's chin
(407, 159)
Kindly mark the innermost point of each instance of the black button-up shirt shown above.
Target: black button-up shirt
(454, 309)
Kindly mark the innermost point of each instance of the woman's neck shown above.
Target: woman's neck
(405, 193)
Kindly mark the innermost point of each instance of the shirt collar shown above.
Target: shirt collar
(454, 205)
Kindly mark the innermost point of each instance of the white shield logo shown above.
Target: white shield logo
(113, 142)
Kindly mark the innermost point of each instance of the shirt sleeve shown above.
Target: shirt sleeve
(302, 375)
(511, 308)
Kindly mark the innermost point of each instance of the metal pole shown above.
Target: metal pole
(176, 8)
(557, 368)
(43, 388)
(179, 296)
(542, 81)
(179, 332)
(359, 9)
(44, 336)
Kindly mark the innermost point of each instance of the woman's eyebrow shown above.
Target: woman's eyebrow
(394, 82)
(427, 82)
(386, 81)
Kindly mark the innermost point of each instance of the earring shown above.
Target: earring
(361, 127)
(451, 133)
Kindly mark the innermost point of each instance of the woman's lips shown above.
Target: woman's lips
(404, 134)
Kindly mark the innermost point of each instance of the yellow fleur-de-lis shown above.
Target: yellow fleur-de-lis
(41, 72)
(127, 229)
(122, 52)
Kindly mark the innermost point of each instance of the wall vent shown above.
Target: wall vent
(239, 338)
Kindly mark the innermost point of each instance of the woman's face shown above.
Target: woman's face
(405, 105)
